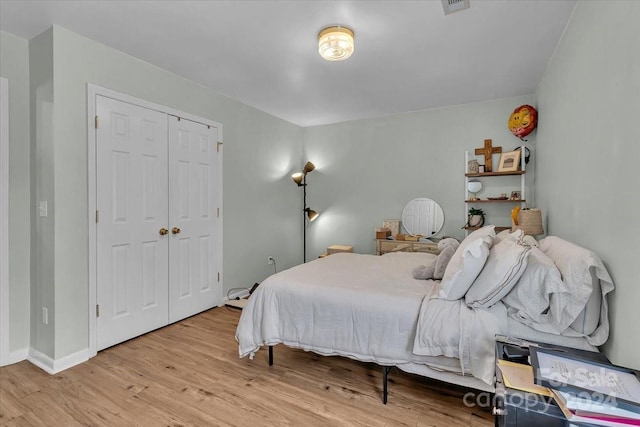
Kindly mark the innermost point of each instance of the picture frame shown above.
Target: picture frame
(509, 161)
(473, 166)
(515, 195)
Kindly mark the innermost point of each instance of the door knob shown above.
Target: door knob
(163, 231)
(175, 230)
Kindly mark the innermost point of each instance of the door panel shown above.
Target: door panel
(132, 257)
(194, 285)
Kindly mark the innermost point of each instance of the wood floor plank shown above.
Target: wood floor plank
(189, 374)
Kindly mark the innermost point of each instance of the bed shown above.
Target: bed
(370, 308)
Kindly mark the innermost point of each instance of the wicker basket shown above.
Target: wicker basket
(529, 221)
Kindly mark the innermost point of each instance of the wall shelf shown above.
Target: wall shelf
(468, 203)
(498, 229)
(496, 201)
(481, 174)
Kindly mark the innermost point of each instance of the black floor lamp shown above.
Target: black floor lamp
(300, 179)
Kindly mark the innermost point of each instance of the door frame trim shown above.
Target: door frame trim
(93, 91)
(5, 330)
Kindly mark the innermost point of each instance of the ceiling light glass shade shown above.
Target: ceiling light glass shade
(335, 43)
(311, 214)
(308, 167)
(297, 178)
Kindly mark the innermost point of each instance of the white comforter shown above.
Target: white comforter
(368, 308)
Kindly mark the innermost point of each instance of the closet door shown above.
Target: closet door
(132, 251)
(193, 191)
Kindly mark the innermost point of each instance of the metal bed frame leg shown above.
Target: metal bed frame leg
(385, 375)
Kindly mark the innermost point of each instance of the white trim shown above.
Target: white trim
(92, 92)
(17, 356)
(53, 366)
(5, 329)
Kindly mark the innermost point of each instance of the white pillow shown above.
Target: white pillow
(474, 256)
(517, 235)
(504, 234)
(507, 261)
(455, 263)
(575, 264)
(537, 299)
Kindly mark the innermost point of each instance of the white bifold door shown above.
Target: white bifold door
(156, 220)
(193, 196)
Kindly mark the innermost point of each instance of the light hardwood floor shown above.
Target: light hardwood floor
(189, 374)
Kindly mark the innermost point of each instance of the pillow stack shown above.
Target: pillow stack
(506, 263)
(485, 267)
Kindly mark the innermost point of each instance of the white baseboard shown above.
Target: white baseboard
(53, 366)
(16, 356)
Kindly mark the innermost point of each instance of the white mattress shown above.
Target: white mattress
(359, 306)
(368, 308)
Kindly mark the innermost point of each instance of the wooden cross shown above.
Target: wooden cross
(488, 152)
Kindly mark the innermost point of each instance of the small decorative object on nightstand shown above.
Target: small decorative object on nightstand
(393, 225)
(382, 232)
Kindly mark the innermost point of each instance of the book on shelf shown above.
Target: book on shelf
(581, 410)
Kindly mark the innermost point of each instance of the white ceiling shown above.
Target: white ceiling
(409, 56)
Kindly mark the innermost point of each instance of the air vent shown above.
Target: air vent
(451, 6)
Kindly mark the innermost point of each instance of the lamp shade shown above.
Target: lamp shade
(297, 178)
(335, 43)
(311, 214)
(308, 167)
(530, 222)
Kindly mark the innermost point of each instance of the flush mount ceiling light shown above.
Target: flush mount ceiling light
(335, 43)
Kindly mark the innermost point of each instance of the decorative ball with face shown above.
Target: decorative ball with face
(523, 121)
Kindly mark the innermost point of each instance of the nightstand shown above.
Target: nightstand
(515, 408)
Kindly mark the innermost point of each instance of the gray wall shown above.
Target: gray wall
(259, 202)
(584, 158)
(589, 149)
(14, 66)
(368, 170)
(42, 189)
